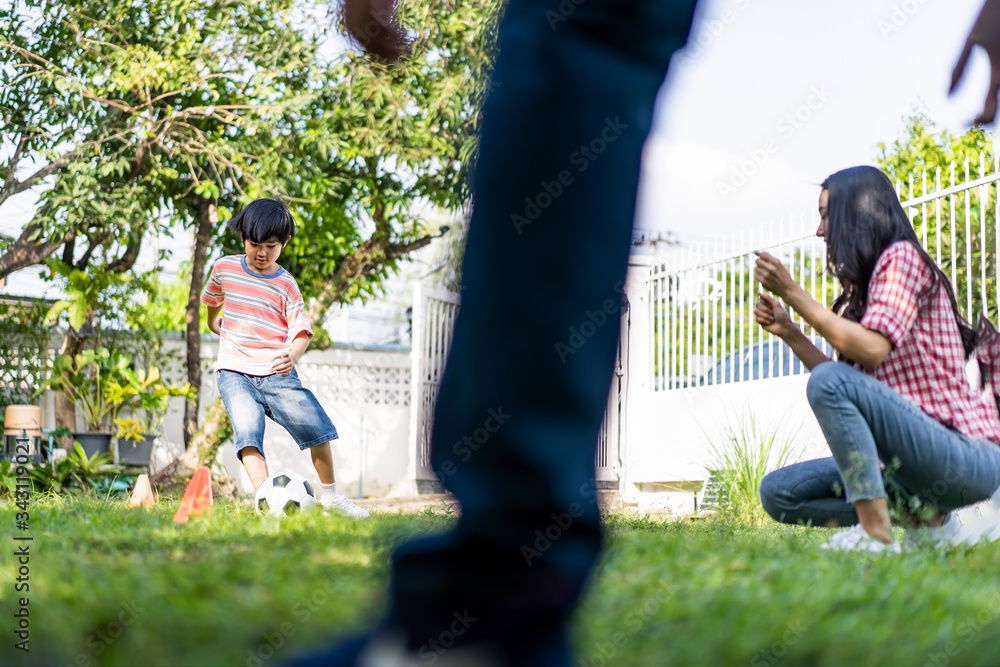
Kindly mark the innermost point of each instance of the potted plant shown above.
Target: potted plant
(135, 445)
(148, 394)
(90, 380)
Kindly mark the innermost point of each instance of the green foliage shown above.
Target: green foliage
(131, 429)
(145, 390)
(87, 293)
(376, 145)
(165, 310)
(959, 231)
(74, 472)
(741, 460)
(8, 477)
(144, 111)
(94, 381)
(143, 101)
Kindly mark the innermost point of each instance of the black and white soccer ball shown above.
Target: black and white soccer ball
(284, 493)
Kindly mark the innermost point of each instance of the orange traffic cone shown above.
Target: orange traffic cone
(197, 496)
(142, 494)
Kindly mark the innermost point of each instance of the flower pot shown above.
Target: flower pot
(93, 443)
(20, 418)
(132, 453)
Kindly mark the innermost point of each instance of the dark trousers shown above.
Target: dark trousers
(536, 337)
(527, 379)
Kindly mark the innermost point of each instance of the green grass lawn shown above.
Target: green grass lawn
(112, 585)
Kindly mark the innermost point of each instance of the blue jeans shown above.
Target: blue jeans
(865, 421)
(250, 398)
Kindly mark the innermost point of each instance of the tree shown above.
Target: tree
(379, 143)
(178, 110)
(373, 145)
(137, 110)
(922, 160)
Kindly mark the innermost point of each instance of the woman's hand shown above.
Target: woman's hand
(771, 316)
(772, 275)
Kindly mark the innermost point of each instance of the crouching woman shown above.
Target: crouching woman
(899, 394)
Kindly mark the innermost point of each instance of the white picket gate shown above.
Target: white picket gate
(434, 313)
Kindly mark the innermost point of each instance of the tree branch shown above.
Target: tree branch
(24, 252)
(127, 260)
(68, 251)
(396, 251)
(12, 165)
(362, 262)
(12, 186)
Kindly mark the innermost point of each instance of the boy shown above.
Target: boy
(264, 333)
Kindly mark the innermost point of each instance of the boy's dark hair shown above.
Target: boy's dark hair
(264, 219)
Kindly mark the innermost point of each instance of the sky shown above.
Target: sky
(771, 97)
(851, 70)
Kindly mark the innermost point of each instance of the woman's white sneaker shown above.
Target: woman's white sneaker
(950, 533)
(967, 525)
(856, 538)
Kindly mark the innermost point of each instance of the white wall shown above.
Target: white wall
(668, 434)
(671, 434)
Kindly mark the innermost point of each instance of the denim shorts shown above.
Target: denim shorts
(249, 398)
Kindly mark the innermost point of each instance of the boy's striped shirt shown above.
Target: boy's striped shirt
(262, 315)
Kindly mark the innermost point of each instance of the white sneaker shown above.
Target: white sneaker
(983, 519)
(966, 525)
(991, 517)
(952, 532)
(342, 503)
(981, 522)
(856, 538)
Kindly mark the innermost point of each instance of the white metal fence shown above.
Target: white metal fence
(702, 329)
(434, 313)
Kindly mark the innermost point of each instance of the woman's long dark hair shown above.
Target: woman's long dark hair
(864, 218)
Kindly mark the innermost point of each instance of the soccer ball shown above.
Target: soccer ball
(284, 493)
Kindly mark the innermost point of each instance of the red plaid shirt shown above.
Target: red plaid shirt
(927, 361)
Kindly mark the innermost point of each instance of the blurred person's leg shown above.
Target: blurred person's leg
(547, 251)
(536, 336)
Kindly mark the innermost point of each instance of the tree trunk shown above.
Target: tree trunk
(208, 217)
(202, 450)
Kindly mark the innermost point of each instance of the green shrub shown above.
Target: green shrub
(74, 472)
(739, 463)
